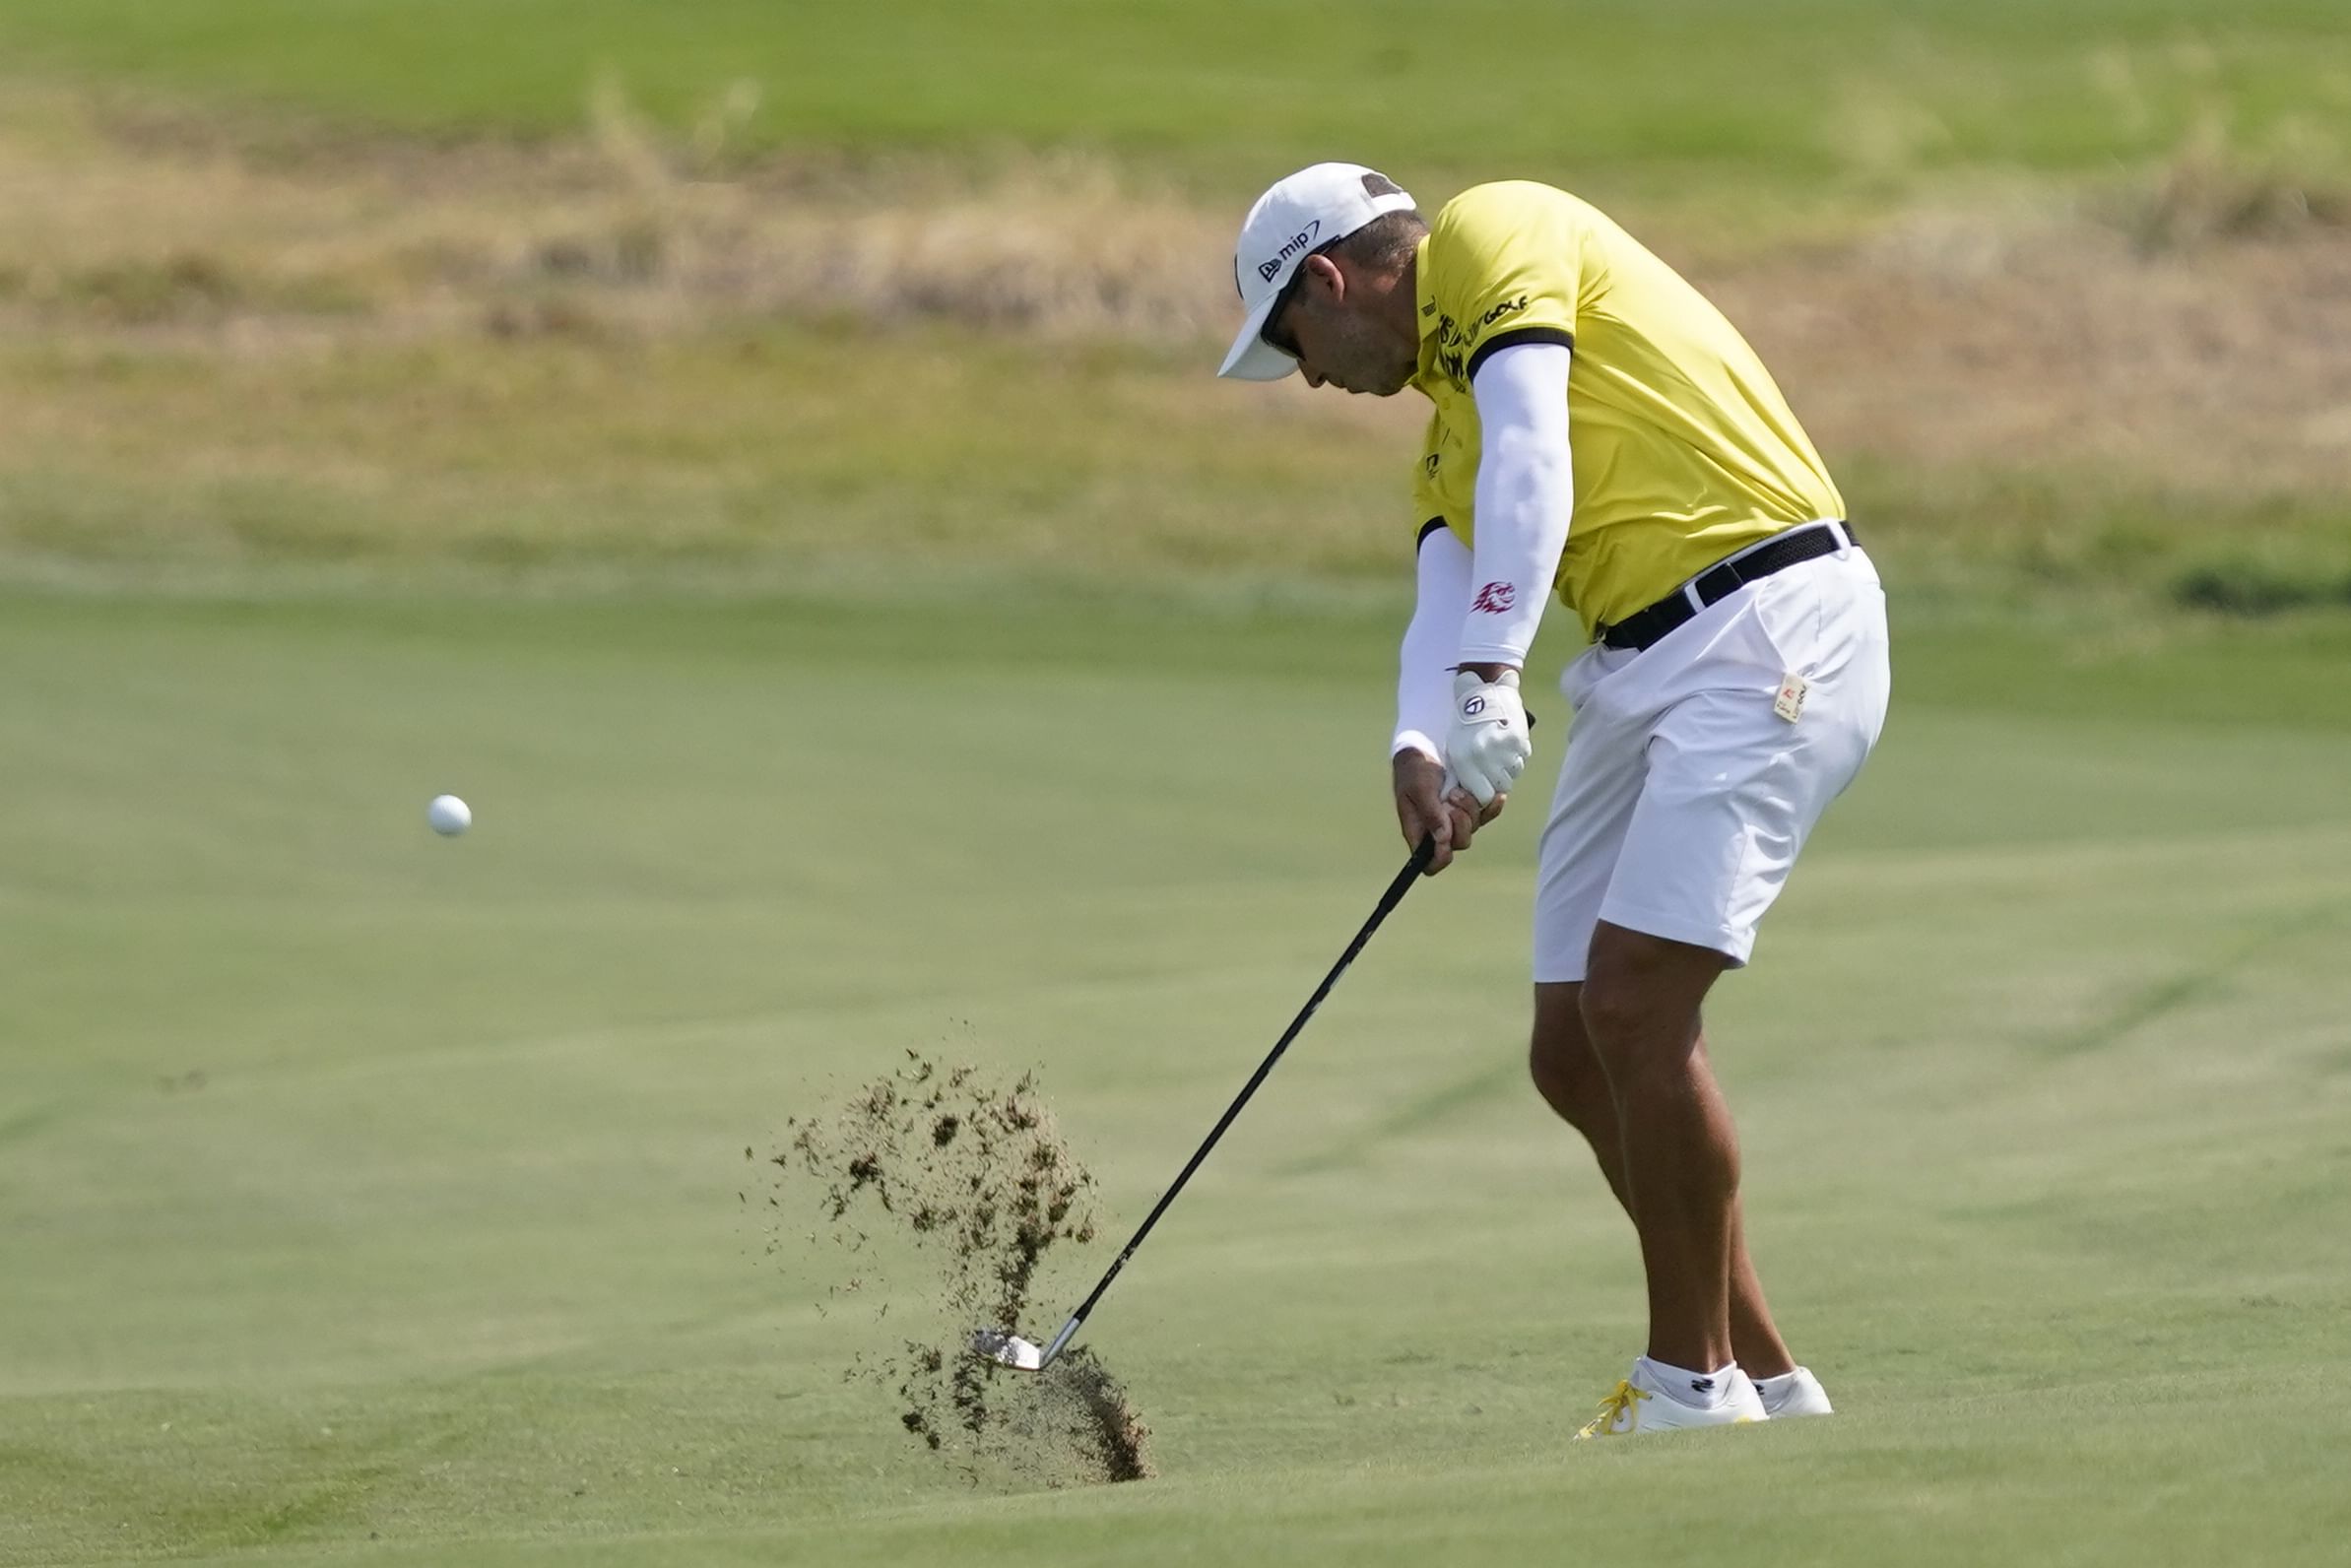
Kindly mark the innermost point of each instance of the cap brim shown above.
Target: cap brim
(1252, 358)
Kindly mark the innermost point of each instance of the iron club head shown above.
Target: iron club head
(1005, 1346)
(1009, 1350)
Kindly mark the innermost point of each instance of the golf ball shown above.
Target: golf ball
(449, 815)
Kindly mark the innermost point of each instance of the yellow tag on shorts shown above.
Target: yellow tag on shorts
(1789, 703)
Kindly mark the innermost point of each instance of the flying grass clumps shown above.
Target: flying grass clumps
(969, 1175)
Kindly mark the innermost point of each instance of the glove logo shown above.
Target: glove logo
(1472, 706)
(1494, 599)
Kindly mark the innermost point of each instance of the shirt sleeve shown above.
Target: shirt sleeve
(1424, 664)
(1526, 496)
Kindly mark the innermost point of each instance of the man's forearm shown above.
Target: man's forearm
(1526, 494)
(1425, 663)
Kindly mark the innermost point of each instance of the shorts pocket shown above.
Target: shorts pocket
(1790, 618)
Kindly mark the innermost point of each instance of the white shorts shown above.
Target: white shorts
(1684, 796)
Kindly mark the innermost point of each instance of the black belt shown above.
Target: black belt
(1645, 627)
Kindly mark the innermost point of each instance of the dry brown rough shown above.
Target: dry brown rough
(2049, 326)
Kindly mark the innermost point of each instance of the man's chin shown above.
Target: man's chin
(1386, 386)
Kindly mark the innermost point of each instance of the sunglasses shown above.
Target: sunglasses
(1270, 333)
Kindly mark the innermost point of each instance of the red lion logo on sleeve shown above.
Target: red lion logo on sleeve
(1494, 599)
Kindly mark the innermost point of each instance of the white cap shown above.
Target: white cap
(1299, 215)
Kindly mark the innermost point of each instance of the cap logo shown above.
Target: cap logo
(1303, 239)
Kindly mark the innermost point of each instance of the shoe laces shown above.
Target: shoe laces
(1617, 1406)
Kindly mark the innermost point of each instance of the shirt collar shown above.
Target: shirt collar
(1425, 291)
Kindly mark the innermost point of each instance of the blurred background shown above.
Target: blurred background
(744, 290)
(766, 456)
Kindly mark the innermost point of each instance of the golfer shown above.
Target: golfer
(1601, 433)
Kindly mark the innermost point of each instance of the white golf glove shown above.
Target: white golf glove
(1487, 745)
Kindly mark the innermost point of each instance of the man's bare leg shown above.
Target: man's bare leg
(1641, 1000)
(1754, 1337)
(1677, 1161)
(1568, 1076)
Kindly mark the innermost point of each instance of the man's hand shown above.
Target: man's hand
(1486, 744)
(1424, 808)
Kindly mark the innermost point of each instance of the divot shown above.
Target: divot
(971, 1173)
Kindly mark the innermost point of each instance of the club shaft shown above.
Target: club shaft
(1388, 902)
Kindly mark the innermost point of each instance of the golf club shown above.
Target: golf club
(1013, 1351)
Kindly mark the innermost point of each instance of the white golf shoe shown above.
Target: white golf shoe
(1798, 1394)
(1640, 1405)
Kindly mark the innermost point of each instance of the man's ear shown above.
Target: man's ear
(1326, 277)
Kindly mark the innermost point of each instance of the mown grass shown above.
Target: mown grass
(1617, 96)
(363, 1194)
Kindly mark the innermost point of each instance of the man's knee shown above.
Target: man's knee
(1640, 996)
(1559, 1057)
(1616, 1014)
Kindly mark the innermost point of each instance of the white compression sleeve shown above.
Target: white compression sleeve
(1424, 667)
(1525, 493)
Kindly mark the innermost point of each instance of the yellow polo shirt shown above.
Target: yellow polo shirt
(1684, 448)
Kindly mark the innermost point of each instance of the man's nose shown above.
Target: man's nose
(1314, 377)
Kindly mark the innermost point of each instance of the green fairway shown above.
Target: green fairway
(369, 1197)
(1727, 90)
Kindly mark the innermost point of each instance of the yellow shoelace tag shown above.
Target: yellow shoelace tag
(1789, 703)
